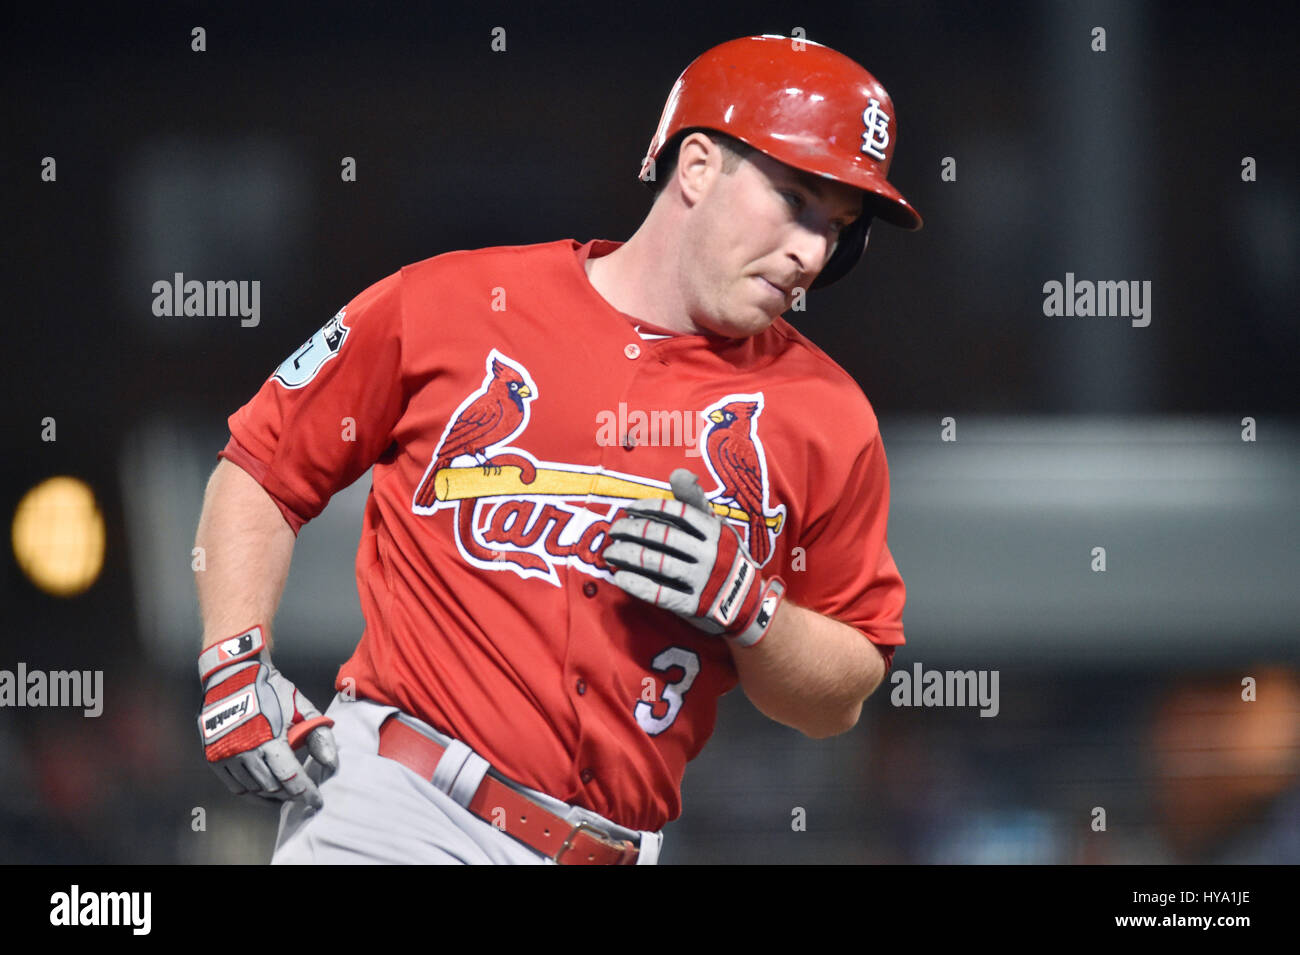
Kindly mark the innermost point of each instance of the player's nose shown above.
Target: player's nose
(809, 249)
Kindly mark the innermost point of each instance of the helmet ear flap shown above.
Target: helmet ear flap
(853, 242)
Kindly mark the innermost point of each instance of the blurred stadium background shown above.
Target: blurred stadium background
(1119, 690)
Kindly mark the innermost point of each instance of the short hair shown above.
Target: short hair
(733, 151)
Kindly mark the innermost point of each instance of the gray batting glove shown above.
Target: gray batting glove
(682, 556)
(253, 719)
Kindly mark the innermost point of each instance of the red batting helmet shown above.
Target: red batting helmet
(802, 104)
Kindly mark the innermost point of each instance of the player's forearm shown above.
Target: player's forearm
(247, 547)
(810, 672)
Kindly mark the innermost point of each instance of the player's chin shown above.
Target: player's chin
(743, 325)
(747, 317)
(761, 320)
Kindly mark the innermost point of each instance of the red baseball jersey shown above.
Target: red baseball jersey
(509, 412)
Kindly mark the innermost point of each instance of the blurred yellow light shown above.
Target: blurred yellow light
(58, 536)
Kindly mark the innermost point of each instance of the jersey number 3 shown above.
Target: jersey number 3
(688, 661)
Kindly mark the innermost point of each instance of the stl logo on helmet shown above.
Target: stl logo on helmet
(876, 138)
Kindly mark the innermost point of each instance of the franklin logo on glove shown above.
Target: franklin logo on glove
(742, 578)
(216, 722)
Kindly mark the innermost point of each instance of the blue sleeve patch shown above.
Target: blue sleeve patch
(304, 364)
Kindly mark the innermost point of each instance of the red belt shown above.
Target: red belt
(528, 821)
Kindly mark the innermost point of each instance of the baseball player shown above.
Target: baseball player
(609, 482)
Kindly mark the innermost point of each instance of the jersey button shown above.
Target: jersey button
(632, 350)
(589, 589)
(587, 775)
(581, 686)
(629, 442)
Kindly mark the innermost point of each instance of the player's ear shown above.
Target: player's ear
(699, 162)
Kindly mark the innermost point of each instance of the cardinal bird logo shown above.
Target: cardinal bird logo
(735, 457)
(489, 417)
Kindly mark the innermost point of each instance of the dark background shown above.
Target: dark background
(1117, 165)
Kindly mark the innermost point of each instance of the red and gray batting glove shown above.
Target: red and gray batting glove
(253, 719)
(683, 557)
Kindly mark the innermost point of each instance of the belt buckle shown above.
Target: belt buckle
(627, 851)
